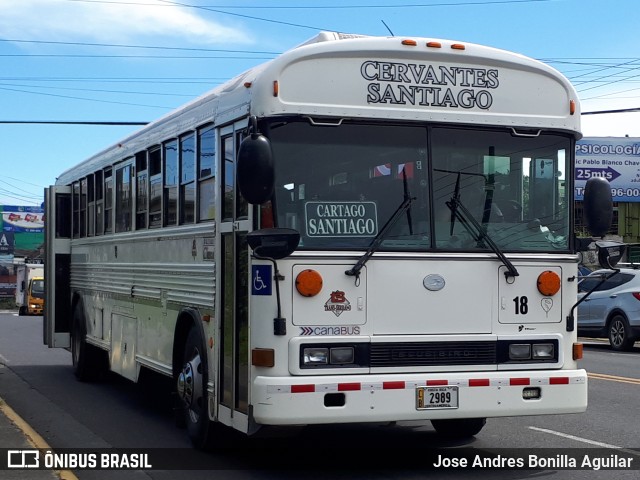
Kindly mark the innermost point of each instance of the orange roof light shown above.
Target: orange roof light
(434, 45)
(458, 46)
(276, 88)
(308, 283)
(572, 107)
(548, 283)
(411, 43)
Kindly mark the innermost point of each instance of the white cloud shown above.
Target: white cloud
(113, 22)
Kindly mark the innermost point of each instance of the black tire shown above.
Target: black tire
(620, 334)
(22, 311)
(89, 363)
(459, 428)
(192, 390)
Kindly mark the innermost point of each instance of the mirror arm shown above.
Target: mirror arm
(571, 322)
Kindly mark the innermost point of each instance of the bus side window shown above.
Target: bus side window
(99, 203)
(170, 199)
(187, 178)
(108, 201)
(123, 199)
(83, 207)
(206, 174)
(76, 210)
(91, 206)
(155, 188)
(142, 190)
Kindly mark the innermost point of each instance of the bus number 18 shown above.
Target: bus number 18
(522, 305)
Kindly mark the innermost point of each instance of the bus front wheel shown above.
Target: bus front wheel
(459, 428)
(192, 389)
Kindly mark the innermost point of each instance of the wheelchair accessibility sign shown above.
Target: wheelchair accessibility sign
(261, 279)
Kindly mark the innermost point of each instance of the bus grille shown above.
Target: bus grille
(432, 354)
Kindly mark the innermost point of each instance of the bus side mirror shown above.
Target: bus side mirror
(255, 169)
(598, 206)
(273, 243)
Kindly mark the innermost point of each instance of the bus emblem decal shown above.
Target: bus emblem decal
(330, 330)
(337, 303)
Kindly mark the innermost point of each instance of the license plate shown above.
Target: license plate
(436, 397)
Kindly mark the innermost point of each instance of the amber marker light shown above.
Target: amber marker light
(263, 357)
(458, 46)
(434, 45)
(308, 283)
(276, 88)
(577, 351)
(572, 107)
(409, 42)
(548, 283)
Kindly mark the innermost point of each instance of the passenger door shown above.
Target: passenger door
(56, 325)
(235, 223)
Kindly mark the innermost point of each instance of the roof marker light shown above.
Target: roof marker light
(458, 46)
(434, 45)
(276, 88)
(572, 107)
(411, 43)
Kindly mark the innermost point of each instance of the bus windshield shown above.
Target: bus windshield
(340, 185)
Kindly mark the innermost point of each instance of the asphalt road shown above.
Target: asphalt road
(38, 383)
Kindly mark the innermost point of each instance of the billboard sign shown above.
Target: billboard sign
(617, 159)
(22, 219)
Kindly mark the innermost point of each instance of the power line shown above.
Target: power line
(99, 90)
(322, 7)
(82, 98)
(621, 110)
(124, 45)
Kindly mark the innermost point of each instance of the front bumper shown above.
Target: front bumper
(385, 398)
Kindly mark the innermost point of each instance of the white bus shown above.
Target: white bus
(363, 229)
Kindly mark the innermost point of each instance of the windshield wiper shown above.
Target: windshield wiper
(405, 206)
(479, 234)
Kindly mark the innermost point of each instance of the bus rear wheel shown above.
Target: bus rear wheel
(192, 389)
(89, 362)
(459, 428)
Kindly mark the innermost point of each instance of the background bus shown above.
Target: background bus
(363, 229)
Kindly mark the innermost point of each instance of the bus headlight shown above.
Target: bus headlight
(334, 355)
(542, 351)
(341, 355)
(519, 351)
(315, 356)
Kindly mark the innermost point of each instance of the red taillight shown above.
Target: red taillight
(636, 295)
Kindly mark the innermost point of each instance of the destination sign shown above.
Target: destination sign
(341, 219)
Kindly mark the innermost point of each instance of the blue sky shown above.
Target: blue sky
(83, 60)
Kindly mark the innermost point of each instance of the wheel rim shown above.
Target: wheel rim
(190, 386)
(617, 333)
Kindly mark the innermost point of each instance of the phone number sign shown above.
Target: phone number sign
(614, 159)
